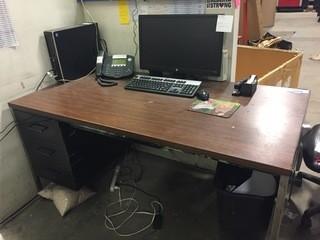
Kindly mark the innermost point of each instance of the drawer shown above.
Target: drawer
(40, 131)
(45, 155)
(37, 128)
(60, 178)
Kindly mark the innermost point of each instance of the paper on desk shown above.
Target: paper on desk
(224, 23)
(203, 105)
(259, 184)
(215, 107)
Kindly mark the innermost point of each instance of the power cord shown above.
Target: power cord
(134, 14)
(94, 22)
(49, 73)
(92, 71)
(13, 122)
(18, 211)
(15, 125)
(104, 45)
(106, 83)
(128, 207)
(6, 127)
(87, 11)
(156, 214)
(135, 211)
(11, 129)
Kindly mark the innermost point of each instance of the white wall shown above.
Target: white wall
(230, 40)
(120, 37)
(21, 69)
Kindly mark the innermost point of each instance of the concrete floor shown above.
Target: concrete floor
(306, 38)
(304, 31)
(187, 193)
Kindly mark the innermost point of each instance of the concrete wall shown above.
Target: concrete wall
(21, 69)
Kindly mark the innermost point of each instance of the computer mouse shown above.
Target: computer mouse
(203, 95)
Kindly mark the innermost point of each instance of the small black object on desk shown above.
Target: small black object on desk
(203, 95)
(246, 87)
(105, 82)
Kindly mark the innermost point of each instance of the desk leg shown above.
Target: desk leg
(278, 211)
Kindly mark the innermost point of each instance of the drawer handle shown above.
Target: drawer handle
(39, 128)
(46, 151)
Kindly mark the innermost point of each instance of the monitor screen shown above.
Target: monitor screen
(188, 44)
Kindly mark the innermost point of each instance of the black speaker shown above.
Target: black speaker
(73, 50)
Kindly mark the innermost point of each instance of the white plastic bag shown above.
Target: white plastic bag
(64, 198)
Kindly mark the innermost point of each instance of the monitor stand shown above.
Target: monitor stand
(180, 75)
(156, 73)
(177, 75)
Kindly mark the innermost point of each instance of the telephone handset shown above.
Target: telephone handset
(113, 67)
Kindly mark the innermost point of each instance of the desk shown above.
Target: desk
(263, 134)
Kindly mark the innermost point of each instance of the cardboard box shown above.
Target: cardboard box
(272, 66)
(254, 16)
(250, 24)
(268, 12)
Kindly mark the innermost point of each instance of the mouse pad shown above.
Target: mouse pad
(215, 107)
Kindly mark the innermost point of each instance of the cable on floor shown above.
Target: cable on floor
(126, 209)
(110, 225)
(125, 204)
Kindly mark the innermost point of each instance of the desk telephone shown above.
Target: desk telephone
(113, 67)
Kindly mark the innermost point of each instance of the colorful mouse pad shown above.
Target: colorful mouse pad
(215, 107)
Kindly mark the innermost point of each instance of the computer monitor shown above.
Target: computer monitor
(186, 44)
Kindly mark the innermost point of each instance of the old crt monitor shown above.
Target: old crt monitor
(186, 44)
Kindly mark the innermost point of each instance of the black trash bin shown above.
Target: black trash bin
(241, 216)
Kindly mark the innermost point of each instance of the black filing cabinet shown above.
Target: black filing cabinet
(62, 153)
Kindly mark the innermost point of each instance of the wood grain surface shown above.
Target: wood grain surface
(262, 134)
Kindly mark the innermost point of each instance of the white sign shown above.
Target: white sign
(219, 3)
(224, 23)
(172, 7)
(99, 59)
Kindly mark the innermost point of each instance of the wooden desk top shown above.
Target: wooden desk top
(262, 134)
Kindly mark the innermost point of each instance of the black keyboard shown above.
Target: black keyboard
(168, 86)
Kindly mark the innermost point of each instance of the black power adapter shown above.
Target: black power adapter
(158, 219)
(246, 87)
